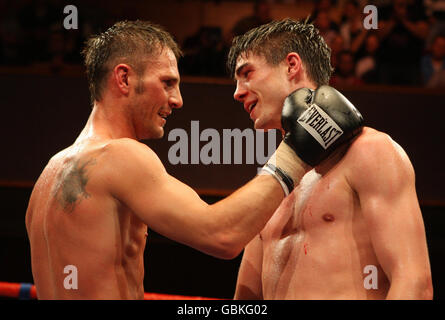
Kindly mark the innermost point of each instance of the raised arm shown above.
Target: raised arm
(383, 178)
(138, 180)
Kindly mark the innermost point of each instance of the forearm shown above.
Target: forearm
(221, 229)
(246, 212)
(242, 215)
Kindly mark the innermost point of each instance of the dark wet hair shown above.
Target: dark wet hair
(275, 40)
(131, 42)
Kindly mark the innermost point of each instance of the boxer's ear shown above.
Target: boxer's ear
(120, 78)
(294, 66)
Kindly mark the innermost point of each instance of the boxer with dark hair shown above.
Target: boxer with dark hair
(352, 229)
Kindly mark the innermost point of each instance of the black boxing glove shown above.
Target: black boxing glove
(317, 122)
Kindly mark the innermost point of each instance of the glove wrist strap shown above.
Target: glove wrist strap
(285, 181)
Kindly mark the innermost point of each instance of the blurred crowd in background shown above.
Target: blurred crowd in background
(407, 48)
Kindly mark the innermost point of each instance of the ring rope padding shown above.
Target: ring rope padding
(26, 291)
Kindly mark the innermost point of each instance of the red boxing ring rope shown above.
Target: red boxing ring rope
(26, 291)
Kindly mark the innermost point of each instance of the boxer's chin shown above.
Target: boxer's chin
(259, 123)
(159, 133)
(154, 133)
(267, 124)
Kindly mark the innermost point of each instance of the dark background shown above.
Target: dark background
(44, 109)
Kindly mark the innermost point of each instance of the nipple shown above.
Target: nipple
(328, 217)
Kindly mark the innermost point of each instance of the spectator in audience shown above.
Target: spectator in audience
(63, 49)
(325, 26)
(366, 67)
(337, 46)
(435, 10)
(56, 50)
(11, 34)
(333, 9)
(32, 33)
(261, 15)
(433, 64)
(204, 53)
(402, 40)
(37, 18)
(344, 75)
(351, 28)
(352, 23)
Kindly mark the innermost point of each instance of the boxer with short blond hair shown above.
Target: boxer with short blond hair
(352, 229)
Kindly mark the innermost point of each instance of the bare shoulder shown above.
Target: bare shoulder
(115, 154)
(101, 166)
(375, 146)
(375, 154)
(127, 162)
(128, 145)
(129, 152)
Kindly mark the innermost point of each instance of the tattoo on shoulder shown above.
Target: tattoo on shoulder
(71, 185)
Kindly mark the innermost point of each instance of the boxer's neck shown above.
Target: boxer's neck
(107, 123)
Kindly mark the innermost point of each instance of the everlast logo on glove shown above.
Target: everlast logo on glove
(315, 121)
(320, 126)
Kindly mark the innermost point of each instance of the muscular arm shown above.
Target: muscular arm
(138, 179)
(384, 180)
(249, 285)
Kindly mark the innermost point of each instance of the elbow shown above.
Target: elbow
(428, 290)
(424, 287)
(226, 247)
(418, 286)
(228, 254)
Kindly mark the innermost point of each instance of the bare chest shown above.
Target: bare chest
(319, 201)
(298, 235)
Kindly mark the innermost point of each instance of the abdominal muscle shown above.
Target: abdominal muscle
(316, 245)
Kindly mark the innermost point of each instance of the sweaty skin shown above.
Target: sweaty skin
(75, 222)
(91, 205)
(362, 211)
